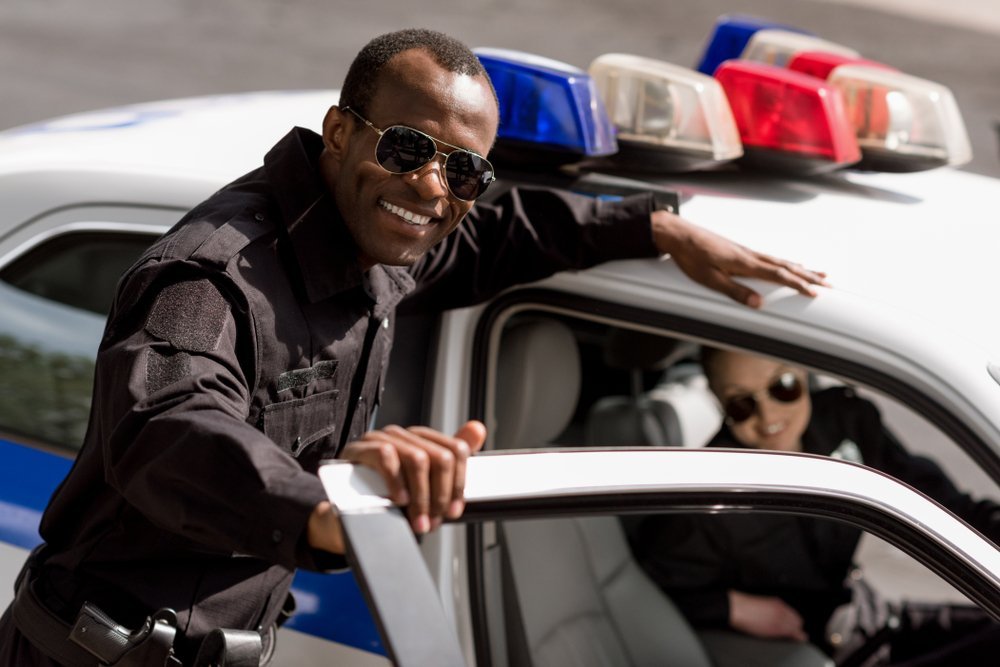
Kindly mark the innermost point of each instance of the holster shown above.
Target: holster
(96, 640)
(117, 646)
(229, 648)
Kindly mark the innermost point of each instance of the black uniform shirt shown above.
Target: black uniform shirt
(242, 348)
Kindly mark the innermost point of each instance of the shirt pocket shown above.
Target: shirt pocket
(306, 428)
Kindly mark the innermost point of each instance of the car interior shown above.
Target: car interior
(580, 597)
(568, 591)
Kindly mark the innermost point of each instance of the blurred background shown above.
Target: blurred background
(64, 56)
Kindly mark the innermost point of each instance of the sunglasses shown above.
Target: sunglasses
(786, 388)
(401, 150)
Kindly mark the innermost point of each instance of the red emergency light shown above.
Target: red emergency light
(820, 63)
(787, 120)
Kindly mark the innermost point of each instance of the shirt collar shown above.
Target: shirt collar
(327, 257)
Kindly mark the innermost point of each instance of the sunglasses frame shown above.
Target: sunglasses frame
(769, 392)
(381, 132)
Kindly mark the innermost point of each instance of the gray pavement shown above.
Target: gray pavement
(62, 56)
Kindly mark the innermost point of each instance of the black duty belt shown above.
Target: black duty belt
(96, 639)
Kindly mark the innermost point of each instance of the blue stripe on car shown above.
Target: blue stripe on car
(329, 605)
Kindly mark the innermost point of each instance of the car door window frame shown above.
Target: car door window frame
(542, 299)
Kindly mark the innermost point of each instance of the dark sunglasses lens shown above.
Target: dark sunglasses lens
(740, 408)
(402, 150)
(786, 388)
(468, 174)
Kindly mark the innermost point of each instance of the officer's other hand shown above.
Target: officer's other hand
(423, 468)
(765, 617)
(714, 260)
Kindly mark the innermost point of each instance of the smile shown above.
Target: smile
(409, 216)
(772, 429)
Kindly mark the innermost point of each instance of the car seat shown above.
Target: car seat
(679, 411)
(580, 597)
(572, 593)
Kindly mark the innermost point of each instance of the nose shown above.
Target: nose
(429, 181)
(766, 408)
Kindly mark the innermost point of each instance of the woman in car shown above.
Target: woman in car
(782, 577)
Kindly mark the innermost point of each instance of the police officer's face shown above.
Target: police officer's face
(772, 424)
(417, 92)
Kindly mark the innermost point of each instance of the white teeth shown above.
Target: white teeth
(409, 216)
(771, 429)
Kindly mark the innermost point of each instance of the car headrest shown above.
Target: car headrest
(538, 383)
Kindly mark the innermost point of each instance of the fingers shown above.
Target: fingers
(382, 457)
(798, 278)
(721, 282)
(429, 463)
(423, 468)
(764, 616)
(474, 433)
(787, 273)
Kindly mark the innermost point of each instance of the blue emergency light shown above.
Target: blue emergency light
(547, 105)
(730, 37)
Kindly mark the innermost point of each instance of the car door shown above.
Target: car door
(565, 380)
(510, 487)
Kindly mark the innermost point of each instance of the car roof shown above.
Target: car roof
(921, 242)
(215, 137)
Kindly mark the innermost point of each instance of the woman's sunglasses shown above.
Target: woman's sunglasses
(786, 388)
(401, 150)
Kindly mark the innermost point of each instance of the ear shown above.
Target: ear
(337, 128)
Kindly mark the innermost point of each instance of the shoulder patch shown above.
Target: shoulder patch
(165, 369)
(230, 239)
(189, 315)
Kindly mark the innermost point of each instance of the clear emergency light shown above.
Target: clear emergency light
(902, 123)
(820, 63)
(667, 117)
(777, 47)
(730, 36)
(549, 111)
(787, 120)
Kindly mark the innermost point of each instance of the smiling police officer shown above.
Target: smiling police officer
(251, 341)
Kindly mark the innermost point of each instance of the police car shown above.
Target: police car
(560, 367)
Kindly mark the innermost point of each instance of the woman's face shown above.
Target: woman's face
(767, 402)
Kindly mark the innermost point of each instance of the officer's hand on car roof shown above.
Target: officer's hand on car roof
(714, 261)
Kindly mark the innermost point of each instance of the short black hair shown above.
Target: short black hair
(362, 76)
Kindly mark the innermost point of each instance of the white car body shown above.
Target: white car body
(910, 258)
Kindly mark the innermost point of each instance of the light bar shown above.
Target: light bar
(902, 123)
(730, 36)
(787, 120)
(821, 63)
(777, 47)
(546, 105)
(667, 117)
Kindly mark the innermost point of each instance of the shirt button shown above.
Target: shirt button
(259, 217)
(276, 536)
(385, 322)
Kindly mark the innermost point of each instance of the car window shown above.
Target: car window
(654, 589)
(575, 381)
(55, 299)
(77, 269)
